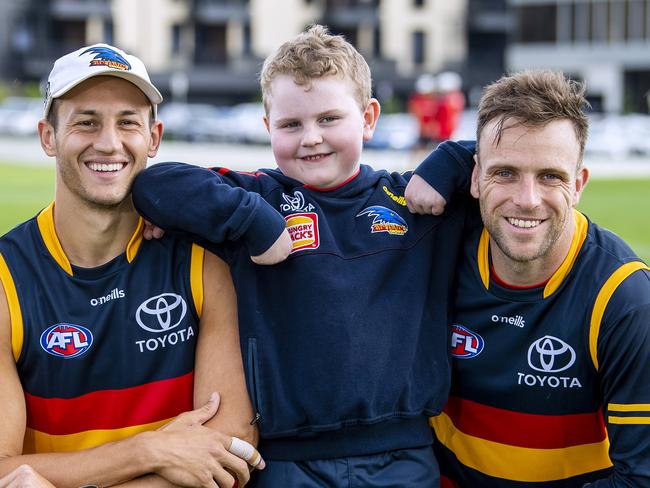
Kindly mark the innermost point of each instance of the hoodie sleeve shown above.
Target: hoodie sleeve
(448, 168)
(205, 206)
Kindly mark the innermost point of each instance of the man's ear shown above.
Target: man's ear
(475, 174)
(47, 136)
(267, 124)
(156, 138)
(370, 117)
(581, 182)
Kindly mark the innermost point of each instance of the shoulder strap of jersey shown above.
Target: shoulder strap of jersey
(196, 277)
(602, 300)
(15, 315)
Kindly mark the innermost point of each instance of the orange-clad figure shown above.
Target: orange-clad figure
(423, 104)
(450, 104)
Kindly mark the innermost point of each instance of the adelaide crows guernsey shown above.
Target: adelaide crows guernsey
(102, 353)
(550, 385)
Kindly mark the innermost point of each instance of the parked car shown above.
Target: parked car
(636, 128)
(195, 121)
(20, 115)
(246, 124)
(395, 131)
(607, 137)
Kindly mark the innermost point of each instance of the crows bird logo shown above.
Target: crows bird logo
(105, 56)
(385, 220)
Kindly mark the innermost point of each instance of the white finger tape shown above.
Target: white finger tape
(245, 451)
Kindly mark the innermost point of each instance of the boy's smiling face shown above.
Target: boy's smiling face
(317, 131)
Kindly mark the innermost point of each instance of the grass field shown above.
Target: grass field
(619, 205)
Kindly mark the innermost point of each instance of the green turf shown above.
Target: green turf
(24, 190)
(619, 205)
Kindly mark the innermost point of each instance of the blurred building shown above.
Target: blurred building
(603, 42)
(490, 25)
(212, 50)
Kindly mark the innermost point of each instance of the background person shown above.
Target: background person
(99, 330)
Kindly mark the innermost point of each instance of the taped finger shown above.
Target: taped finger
(246, 451)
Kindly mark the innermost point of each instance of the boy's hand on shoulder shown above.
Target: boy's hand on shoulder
(278, 252)
(151, 231)
(422, 198)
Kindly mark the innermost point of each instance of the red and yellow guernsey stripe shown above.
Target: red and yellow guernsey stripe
(520, 446)
(60, 425)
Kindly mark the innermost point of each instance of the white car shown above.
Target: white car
(20, 115)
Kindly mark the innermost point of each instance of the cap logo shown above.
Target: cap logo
(105, 56)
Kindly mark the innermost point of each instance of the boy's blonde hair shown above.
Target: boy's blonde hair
(315, 53)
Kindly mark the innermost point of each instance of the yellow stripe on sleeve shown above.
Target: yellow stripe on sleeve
(628, 420)
(628, 407)
(602, 300)
(15, 314)
(196, 277)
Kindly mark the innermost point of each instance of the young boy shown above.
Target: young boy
(345, 342)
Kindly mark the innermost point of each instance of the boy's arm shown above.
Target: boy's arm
(444, 173)
(201, 205)
(164, 451)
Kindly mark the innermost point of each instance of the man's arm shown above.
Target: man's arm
(624, 365)
(219, 364)
(149, 452)
(200, 204)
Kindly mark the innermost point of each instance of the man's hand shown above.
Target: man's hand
(278, 252)
(187, 453)
(24, 477)
(422, 198)
(150, 231)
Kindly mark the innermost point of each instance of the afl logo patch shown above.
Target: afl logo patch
(66, 340)
(465, 344)
(161, 313)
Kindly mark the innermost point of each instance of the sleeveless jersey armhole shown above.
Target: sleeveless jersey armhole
(15, 315)
(196, 278)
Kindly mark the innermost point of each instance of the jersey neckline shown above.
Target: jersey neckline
(556, 280)
(45, 221)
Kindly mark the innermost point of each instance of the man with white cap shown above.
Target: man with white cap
(98, 327)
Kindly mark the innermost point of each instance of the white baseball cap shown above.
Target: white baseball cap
(97, 60)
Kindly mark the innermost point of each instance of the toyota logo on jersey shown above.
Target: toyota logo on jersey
(66, 340)
(161, 313)
(465, 344)
(550, 355)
